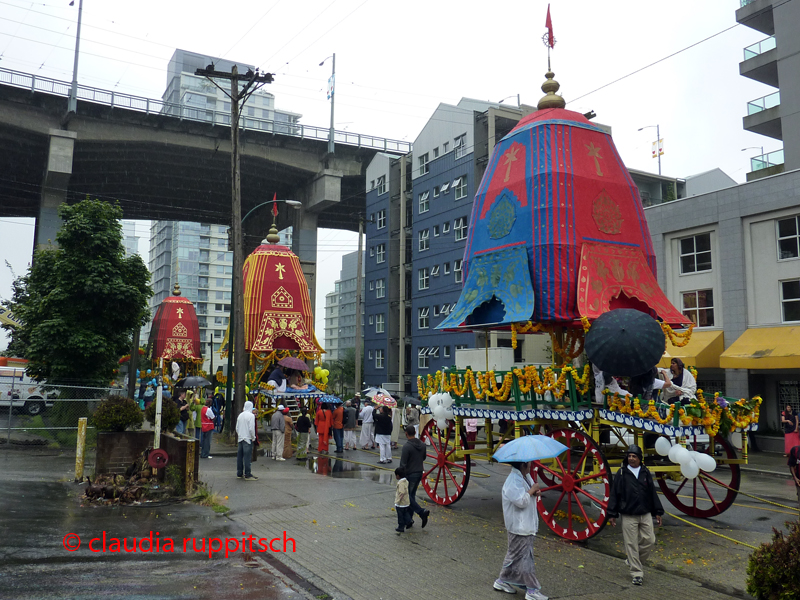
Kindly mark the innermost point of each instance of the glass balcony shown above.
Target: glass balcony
(759, 48)
(761, 104)
(764, 161)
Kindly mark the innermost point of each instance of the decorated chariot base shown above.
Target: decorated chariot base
(700, 476)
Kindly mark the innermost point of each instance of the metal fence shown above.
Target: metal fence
(50, 416)
(36, 83)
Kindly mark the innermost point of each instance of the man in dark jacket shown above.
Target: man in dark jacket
(633, 495)
(412, 459)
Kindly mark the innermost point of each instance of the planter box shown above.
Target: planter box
(116, 451)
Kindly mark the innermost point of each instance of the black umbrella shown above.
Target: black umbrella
(625, 342)
(193, 381)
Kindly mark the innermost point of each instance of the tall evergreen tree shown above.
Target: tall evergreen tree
(80, 302)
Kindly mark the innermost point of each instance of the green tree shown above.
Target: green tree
(80, 302)
(343, 372)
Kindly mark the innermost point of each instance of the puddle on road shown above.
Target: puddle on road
(337, 467)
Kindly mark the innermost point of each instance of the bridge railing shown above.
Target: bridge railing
(36, 83)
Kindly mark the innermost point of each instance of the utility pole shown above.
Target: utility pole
(331, 93)
(254, 81)
(359, 280)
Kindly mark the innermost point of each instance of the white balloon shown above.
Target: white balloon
(690, 469)
(673, 452)
(663, 446)
(682, 456)
(706, 463)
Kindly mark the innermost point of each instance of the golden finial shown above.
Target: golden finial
(550, 99)
(176, 290)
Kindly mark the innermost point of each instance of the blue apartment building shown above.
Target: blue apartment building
(418, 209)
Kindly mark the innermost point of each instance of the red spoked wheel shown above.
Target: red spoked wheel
(709, 494)
(574, 505)
(447, 479)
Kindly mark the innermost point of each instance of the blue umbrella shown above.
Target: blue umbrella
(528, 448)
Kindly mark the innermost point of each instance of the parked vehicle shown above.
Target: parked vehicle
(20, 392)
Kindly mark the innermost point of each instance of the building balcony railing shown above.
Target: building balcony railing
(45, 85)
(765, 161)
(761, 104)
(759, 47)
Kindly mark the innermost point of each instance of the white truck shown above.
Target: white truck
(20, 392)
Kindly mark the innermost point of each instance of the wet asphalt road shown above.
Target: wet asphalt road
(38, 511)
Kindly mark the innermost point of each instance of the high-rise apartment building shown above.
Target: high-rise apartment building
(340, 309)
(774, 61)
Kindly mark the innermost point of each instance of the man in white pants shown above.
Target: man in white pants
(277, 424)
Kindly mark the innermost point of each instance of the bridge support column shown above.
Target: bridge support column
(54, 186)
(304, 245)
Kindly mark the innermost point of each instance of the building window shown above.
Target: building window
(424, 167)
(371, 285)
(434, 352)
(790, 300)
(789, 393)
(696, 254)
(380, 288)
(445, 309)
(436, 152)
(460, 228)
(379, 323)
(460, 186)
(446, 228)
(424, 240)
(381, 184)
(457, 269)
(422, 318)
(445, 147)
(435, 231)
(422, 358)
(371, 320)
(436, 191)
(446, 352)
(380, 253)
(460, 145)
(789, 238)
(435, 310)
(435, 271)
(424, 203)
(699, 307)
(447, 268)
(379, 359)
(369, 355)
(381, 221)
(444, 187)
(424, 278)
(372, 251)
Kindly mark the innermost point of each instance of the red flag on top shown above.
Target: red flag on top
(549, 24)
(275, 205)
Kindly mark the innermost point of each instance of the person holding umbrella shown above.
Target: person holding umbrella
(520, 495)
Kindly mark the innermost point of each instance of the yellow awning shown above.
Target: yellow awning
(764, 348)
(702, 351)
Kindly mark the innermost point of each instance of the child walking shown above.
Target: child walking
(402, 501)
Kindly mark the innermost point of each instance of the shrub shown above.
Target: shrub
(773, 572)
(175, 480)
(117, 414)
(169, 414)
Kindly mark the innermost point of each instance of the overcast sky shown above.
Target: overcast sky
(396, 62)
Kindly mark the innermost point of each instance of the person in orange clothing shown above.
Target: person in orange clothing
(338, 428)
(323, 424)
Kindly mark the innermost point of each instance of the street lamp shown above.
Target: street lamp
(72, 104)
(331, 86)
(511, 96)
(658, 143)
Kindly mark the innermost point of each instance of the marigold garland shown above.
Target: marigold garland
(678, 340)
(485, 385)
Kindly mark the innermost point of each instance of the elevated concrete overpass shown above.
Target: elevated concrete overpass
(163, 167)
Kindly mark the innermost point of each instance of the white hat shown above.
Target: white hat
(280, 406)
